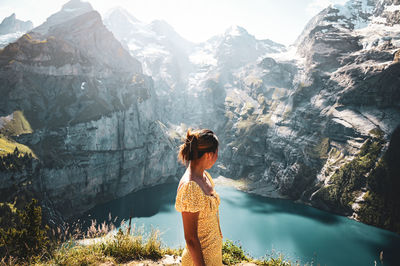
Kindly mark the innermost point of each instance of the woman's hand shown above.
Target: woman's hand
(190, 221)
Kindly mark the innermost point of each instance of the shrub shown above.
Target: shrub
(26, 237)
(233, 254)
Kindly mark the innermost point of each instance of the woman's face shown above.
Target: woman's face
(212, 158)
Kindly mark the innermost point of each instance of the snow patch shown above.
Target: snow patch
(203, 57)
(376, 34)
(352, 10)
(5, 39)
(70, 9)
(153, 50)
(392, 8)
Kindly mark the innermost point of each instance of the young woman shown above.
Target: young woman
(197, 200)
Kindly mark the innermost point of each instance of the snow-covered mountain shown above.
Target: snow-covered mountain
(234, 48)
(182, 70)
(12, 28)
(358, 24)
(70, 10)
(162, 52)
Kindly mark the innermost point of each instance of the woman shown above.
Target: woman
(197, 200)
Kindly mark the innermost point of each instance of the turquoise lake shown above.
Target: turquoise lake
(263, 226)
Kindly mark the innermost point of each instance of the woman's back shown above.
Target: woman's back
(191, 198)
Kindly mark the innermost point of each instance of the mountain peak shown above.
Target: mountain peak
(75, 5)
(161, 26)
(11, 24)
(8, 19)
(236, 30)
(11, 17)
(70, 10)
(120, 14)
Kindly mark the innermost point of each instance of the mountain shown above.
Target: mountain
(314, 124)
(310, 122)
(236, 47)
(11, 25)
(93, 116)
(162, 52)
(70, 10)
(12, 28)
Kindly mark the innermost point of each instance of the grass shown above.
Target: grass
(14, 125)
(233, 253)
(29, 38)
(124, 246)
(8, 146)
(127, 245)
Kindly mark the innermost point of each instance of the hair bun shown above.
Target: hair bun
(197, 142)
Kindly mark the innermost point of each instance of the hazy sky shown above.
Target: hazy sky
(196, 20)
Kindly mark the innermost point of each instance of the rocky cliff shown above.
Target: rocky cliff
(95, 124)
(294, 120)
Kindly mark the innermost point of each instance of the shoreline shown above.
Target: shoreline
(264, 190)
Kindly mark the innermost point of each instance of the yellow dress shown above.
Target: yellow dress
(191, 198)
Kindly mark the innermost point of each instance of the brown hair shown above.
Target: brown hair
(196, 144)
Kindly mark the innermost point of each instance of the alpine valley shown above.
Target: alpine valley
(98, 106)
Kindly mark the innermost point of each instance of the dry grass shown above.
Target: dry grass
(101, 243)
(8, 146)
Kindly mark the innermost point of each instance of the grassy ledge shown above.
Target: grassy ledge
(25, 240)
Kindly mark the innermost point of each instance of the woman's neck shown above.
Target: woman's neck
(196, 170)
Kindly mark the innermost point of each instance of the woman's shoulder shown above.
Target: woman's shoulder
(189, 186)
(189, 197)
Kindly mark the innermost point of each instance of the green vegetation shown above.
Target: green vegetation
(377, 176)
(24, 240)
(8, 146)
(29, 38)
(381, 206)
(319, 151)
(346, 183)
(16, 161)
(123, 247)
(234, 254)
(22, 234)
(377, 133)
(14, 126)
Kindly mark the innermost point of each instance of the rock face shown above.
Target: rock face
(96, 125)
(291, 120)
(12, 28)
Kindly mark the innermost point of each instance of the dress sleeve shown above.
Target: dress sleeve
(190, 198)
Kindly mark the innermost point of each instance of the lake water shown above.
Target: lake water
(263, 226)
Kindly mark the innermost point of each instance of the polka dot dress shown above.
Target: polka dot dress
(191, 198)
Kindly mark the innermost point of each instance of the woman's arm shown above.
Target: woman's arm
(190, 221)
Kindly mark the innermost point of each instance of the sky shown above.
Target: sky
(195, 20)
